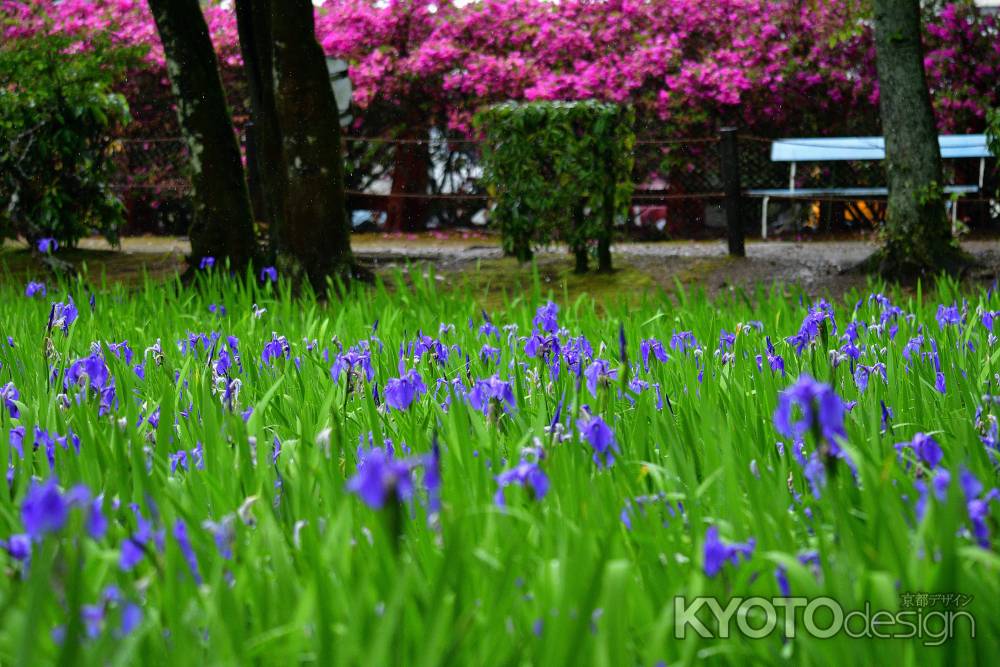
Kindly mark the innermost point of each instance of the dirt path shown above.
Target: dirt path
(819, 267)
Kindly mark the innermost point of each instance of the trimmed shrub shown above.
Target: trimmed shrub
(558, 171)
(58, 117)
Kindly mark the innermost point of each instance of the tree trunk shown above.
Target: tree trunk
(410, 176)
(253, 21)
(314, 237)
(222, 224)
(607, 217)
(917, 234)
(579, 243)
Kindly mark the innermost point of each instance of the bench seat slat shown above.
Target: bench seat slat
(847, 192)
(830, 149)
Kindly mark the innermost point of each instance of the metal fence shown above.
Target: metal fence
(678, 186)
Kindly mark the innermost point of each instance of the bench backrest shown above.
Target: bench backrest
(826, 149)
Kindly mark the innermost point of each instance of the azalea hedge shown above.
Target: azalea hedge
(558, 171)
(765, 64)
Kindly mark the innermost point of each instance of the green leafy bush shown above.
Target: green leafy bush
(58, 114)
(558, 171)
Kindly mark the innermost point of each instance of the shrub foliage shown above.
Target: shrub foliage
(58, 117)
(993, 135)
(558, 171)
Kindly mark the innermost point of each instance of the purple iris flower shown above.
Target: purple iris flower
(935, 356)
(16, 437)
(851, 331)
(622, 345)
(717, 552)
(652, 346)
(862, 374)
(432, 476)
(430, 346)
(815, 473)
(269, 273)
(178, 459)
(948, 316)
(774, 360)
(96, 523)
(821, 410)
(9, 394)
(134, 548)
(912, 346)
(183, 541)
(90, 372)
(402, 391)
(44, 509)
(34, 289)
(939, 482)
(977, 505)
(222, 362)
(850, 351)
(599, 372)
(18, 546)
(380, 477)
(683, 341)
(925, 447)
(810, 558)
(812, 325)
(538, 345)
(726, 340)
(47, 245)
(526, 474)
(131, 618)
(356, 361)
(575, 352)
(206, 263)
(489, 353)
(601, 438)
(491, 391)
(546, 318)
(887, 415)
(122, 351)
(488, 328)
(62, 315)
(224, 534)
(93, 619)
(275, 348)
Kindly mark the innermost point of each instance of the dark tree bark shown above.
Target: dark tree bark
(917, 233)
(223, 221)
(314, 236)
(267, 165)
(410, 176)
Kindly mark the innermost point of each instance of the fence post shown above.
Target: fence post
(729, 155)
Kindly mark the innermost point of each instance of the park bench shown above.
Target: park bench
(794, 151)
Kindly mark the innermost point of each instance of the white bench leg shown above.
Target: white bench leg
(763, 218)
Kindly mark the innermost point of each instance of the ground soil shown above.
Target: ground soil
(819, 268)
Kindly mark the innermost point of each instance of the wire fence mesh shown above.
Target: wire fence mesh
(677, 186)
